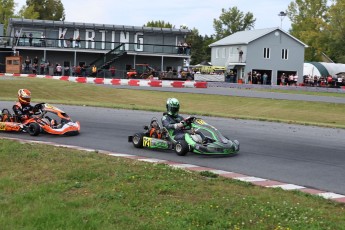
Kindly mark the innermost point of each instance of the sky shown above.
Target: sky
(197, 14)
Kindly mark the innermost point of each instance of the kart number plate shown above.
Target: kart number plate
(2, 126)
(200, 121)
(147, 142)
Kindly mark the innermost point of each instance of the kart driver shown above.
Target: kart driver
(23, 109)
(171, 120)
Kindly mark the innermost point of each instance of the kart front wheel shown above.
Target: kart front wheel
(34, 129)
(138, 140)
(181, 148)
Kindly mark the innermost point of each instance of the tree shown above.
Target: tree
(46, 10)
(199, 51)
(6, 11)
(28, 12)
(232, 21)
(309, 22)
(336, 32)
(160, 24)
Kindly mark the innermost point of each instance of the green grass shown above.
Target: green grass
(304, 92)
(45, 187)
(299, 112)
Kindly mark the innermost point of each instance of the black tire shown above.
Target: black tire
(34, 129)
(138, 140)
(181, 148)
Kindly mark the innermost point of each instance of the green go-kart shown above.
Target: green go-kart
(200, 138)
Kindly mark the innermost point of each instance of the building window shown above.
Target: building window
(266, 53)
(223, 53)
(284, 54)
(217, 53)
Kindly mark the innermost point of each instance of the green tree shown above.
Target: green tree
(46, 10)
(232, 21)
(28, 12)
(309, 22)
(160, 24)
(197, 51)
(6, 11)
(336, 32)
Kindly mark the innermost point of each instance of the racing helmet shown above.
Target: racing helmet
(173, 106)
(24, 96)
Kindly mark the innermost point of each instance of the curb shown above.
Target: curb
(117, 81)
(190, 167)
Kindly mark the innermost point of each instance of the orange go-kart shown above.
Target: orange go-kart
(44, 119)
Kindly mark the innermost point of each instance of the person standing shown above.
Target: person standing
(27, 63)
(61, 40)
(77, 40)
(240, 55)
(264, 78)
(30, 39)
(16, 37)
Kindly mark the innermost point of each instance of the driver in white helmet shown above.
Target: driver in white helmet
(172, 120)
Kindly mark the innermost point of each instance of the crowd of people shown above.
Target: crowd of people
(184, 48)
(322, 81)
(44, 67)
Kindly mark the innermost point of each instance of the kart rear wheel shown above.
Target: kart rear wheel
(138, 140)
(181, 148)
(34, 129)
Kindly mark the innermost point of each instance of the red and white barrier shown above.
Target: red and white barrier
(116, 81)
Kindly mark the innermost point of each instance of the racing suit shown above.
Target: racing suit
(23, 112)
(169, 121)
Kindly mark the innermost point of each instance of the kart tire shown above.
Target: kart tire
(34, 129)
(181, 148)
(138, 140)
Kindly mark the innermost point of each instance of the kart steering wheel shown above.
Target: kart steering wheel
(38, 108)
(189, 120)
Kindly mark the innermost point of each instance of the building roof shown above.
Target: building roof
(66, 24)
(247, 36)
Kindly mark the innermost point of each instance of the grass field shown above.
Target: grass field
(300, 112)
(45, 187)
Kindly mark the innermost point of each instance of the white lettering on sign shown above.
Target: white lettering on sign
(124, 38)
(138, 38)
(91, 34)
(89, 38)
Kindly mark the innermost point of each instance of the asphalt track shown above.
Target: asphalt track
(313, 157)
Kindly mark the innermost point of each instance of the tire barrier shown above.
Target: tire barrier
(116, 81)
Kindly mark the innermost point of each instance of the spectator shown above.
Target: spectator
(185, 47)
(16, 37)
(30, 39)
(24, 38)
(43, 40)
(42, 68)
(180, 48)
(78, 42)
(66, 70)
(264, 78)
(35, 60)
(61, 41)
(94, 71)
(71, 42)
(240, 55)
(58, 69)
(27, 63)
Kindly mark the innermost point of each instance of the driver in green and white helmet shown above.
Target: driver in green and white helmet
(171, 120)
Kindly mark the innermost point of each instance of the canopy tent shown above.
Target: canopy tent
(323, 69)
